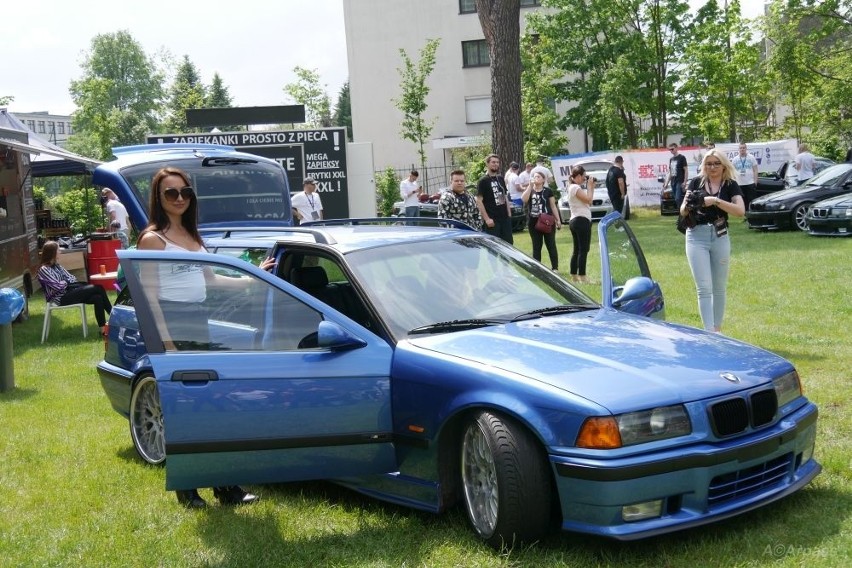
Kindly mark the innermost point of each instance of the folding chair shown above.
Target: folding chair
(50, 307)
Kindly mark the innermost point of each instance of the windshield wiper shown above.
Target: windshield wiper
(553, 310)
(455, 325)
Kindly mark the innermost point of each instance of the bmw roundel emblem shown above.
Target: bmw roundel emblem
(730, 377)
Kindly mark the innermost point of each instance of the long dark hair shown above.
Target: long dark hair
(48, 252)
(158, 220)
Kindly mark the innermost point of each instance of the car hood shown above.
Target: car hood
(790, 194)
(618, 361)
(839, 201)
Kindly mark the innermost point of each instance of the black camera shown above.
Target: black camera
(694, 199)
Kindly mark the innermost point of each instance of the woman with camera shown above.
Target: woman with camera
(579, 201)
(711, 197)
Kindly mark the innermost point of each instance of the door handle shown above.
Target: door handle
(195, 376)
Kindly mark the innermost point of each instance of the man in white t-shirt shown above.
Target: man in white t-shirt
(307, 205)
(410, 190)
(746, 166)
(117, 214)
(511, 178)
(524, 177)
(805, 164)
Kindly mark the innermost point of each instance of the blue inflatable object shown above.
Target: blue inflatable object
(11, 305)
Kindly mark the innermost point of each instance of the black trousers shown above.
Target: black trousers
(549, 240)
(89, 294)
(502, 228)
(581, 231)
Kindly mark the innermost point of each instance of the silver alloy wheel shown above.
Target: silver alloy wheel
(479, 477)
(146, 421)
(800, 216)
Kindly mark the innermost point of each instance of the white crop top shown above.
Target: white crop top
(181, 282)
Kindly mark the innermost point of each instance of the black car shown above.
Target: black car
(831, 217)
(785, 176)
(788, 208)
(429, 208)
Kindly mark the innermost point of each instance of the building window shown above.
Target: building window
(69, 129)
(60, 127)
(477, 110)
(41, 127)
(51, 127)
(530, 3)
(475, 53)
(467, 6)
(31, 125)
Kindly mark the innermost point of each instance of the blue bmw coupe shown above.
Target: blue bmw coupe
(436, 366)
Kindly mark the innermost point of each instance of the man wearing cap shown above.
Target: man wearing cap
(117, 215)
(307, 205)
(616, 185)
(515, 191)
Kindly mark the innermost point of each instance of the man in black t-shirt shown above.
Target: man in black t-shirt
(616, 185)
(677, 174)
(492, 200)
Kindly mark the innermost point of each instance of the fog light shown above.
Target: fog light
(641, 511)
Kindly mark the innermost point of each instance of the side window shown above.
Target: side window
(623, 255)
(208, 307)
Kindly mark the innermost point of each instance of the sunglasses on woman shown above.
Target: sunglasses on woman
(171, 194)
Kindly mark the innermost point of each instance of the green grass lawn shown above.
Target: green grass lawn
(73, 492)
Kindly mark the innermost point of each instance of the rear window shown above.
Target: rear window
(228, 189)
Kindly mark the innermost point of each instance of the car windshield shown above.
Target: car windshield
(473, 279)
(830, 176)
(228, 189)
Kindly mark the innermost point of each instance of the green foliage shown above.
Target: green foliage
(343, 110)
(412, 99)
(387, 192)
(187, 91)
(542, 136)
(118, 96)
(218, 96)
(472, 160)
(6, 99)
(307, 91)
(80, 206)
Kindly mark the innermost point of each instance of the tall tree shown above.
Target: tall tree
(118, 96)
(4, 100)
(412, 99)
(500, 22)
(542, 136)
(306, 90)
(343, 110)
(218, 96)
(187, 91)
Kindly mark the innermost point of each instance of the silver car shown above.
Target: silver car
(601, 204)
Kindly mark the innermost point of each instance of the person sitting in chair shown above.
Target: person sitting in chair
(61, 287)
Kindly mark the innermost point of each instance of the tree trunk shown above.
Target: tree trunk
(500, 21)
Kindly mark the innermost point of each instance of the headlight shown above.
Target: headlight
(787, 387)
(634, 428)
(848, 212)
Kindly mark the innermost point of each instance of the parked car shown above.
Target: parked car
(429, 366)
(601, 204)
(429, 208)
(831, 217)
(788, 209)
(785, 176)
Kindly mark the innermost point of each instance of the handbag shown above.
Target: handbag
(545, 223)
(685, 222)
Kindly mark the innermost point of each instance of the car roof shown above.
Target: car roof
(346, 236)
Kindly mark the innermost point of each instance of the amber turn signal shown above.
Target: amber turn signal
(600, 433)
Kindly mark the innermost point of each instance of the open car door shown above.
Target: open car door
(258, 381)
(624, 271)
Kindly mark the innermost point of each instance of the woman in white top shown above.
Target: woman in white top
(182, 288)
(579, 200)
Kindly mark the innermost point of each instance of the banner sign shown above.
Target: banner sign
(646, 170)
(317, 153)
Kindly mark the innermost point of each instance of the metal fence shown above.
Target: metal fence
(432, 178)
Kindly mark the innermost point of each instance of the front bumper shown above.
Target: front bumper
(770, 220)
(696, 485)
(117, 383)
(830, 227)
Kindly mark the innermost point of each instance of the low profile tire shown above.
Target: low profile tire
(146, 421)
(506, 481)
(800, 216)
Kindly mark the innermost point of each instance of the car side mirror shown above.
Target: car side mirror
(633, 289)
(332, 336)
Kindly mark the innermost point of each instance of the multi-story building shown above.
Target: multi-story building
(54, 128)
(459, 100)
